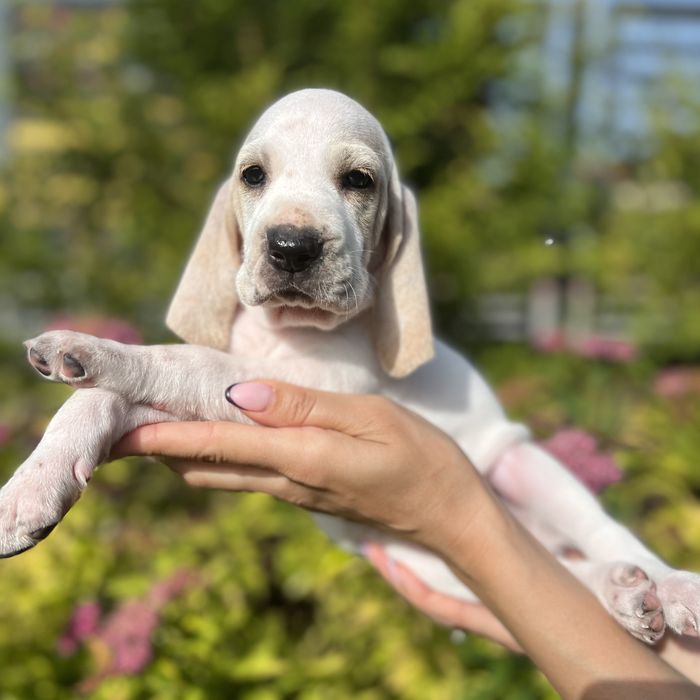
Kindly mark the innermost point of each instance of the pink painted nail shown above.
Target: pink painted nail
(393, 572)
(369, 551)
(249, 396)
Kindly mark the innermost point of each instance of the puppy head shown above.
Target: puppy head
(314, 227)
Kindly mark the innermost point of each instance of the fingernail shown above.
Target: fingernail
(392, 571)
(367, 550)
(249, 396)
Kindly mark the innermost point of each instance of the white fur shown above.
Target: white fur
(305, 143)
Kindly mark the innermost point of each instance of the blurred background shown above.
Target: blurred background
(554, 149)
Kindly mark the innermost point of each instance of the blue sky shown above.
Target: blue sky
(641, 55)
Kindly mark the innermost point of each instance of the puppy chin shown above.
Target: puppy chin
(282, 312)
(300, 317)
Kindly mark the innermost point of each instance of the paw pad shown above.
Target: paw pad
(71, 367)
(60, 356)
(39, 363)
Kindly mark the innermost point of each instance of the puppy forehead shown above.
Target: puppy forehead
(311, 120)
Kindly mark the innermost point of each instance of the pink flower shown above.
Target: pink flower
(66, 646)
(102, 327)
(578, 450)
(594, 347)
(83, 624)
(600, 348)
(5, 434)
(122, 642)
(550, 342)
(675, 382)
(127, 634)
(171, 587)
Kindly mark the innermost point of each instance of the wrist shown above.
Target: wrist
(465, 523)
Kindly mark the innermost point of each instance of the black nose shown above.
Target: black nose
(292, 249)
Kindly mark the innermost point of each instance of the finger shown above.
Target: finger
(453, 612)
(444, 609)
(377, 556)
(277, 404)
(477, 618)
(294, 452)
(238, 478)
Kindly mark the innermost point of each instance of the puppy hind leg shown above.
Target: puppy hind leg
(536, 483)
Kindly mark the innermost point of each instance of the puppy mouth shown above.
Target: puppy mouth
(295, 297)
(291, 296)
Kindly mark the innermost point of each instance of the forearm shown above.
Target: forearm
(557, 621)
(683, 653)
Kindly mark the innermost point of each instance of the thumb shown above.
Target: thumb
(280, 404)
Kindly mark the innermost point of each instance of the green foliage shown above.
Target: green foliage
(127, 117)
(134, 113)
(275, 610)
(278, 612)
(651, 247)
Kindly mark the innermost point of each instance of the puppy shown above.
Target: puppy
(308, 269)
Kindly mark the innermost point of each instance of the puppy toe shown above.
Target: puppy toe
(627, 575)
(43, 532)
(39, 363)
(71, 368)
(64, 356)
(680, 596)
(632, 598)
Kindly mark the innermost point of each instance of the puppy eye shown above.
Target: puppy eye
(253, 176)
(357, 180)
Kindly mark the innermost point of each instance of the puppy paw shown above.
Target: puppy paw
(632, 599)
(37, 497)
(66, 356)
(680, 596)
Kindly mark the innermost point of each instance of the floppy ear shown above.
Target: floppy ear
(205, 301)
(402, 329)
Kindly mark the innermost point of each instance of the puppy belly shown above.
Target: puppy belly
(431, 570)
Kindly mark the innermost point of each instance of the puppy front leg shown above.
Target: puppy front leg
(186, 380)
(183, 379)
(50, 481)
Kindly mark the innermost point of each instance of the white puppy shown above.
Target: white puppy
(308, 269)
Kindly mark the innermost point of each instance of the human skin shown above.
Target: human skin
(683, 653)
(366, 459)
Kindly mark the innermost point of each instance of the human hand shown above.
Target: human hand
(359, 457)
(364, 458)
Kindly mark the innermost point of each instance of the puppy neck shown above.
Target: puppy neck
(254, 334)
